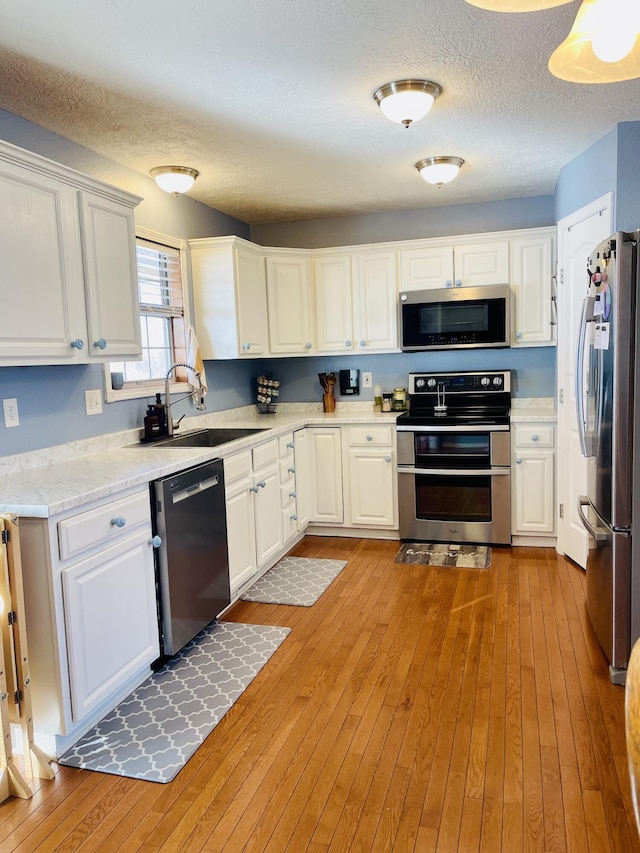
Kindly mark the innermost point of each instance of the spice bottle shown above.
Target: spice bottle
(386, 402)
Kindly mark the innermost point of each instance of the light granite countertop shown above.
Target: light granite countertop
(533, 409)
(45, 483)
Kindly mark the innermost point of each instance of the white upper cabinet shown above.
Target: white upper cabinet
(289, 303)
(532, 269)
(460, 265)
(67, 244)
(356, 296)
(230, 297)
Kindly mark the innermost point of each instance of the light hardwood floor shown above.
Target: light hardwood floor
(410, 709)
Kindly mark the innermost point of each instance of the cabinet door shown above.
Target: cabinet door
(111, 620)
(251, 292)
(531, 279)
(111, 281)
(303, 476)
(372, 488)
(241, 537)
(334, 304)
(289, 304)
(268, 515)
(533, 509)
(43, 309)
(482, 263)
(426, 269)
(375, 301)
(324, 456)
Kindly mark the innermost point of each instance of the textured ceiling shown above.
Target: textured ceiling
(271, 100)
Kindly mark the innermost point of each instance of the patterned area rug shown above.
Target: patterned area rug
(462, 556)
(295, 580)
(154, 731)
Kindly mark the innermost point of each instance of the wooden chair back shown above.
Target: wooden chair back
(632, 724)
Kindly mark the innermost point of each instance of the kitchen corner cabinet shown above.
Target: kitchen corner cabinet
(356, 301)
(68, 249)
(533, 472)
(533, 320)
(91, 611)
(289, 303)
(470, 264)
(230, 298)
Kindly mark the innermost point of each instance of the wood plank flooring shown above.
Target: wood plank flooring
(411, 709)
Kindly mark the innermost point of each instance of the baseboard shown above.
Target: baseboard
(352, 532)
(534, 541)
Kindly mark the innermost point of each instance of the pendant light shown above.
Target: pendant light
(517, 5)
(603, 45)
(439, 170)
(174, 179)
(406, 101)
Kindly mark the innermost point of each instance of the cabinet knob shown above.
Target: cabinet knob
(448, 283)
(77, 344)
(347, 343)
(387, 459)
(118, 521)
(253, 489)
(369, 438)
(290, 445)
(293, 517)
(535, 437)
(458, 283)
(518, 335)
(155, 541)
(363, 343)
(100, 344)
(308, 345)
(519, 460)
(261, 484)
(291, 470)
(246, 347)
(293, 495)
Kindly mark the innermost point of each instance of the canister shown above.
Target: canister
(399, 399)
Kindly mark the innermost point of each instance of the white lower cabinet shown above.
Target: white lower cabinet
(268, 515)
(533, 486)
(325, 464)
(241, 526)
(91, 611)
(370, 476)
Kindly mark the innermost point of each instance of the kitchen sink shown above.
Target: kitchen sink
(205, 437)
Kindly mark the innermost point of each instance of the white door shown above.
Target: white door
(325, 461)
(481, 263)
(268, 514)
(578, 235)
(241, 533)
(375, 301)
(334, 317)
(372, 487)
(251, 288)
(427, 268)
(289, 304)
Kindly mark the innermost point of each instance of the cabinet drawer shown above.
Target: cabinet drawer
(370, 436)
(103, 525)
(285, 445)
(287, 494)
(287, 470)
(265, 454)
(534, 435)
(236, 467)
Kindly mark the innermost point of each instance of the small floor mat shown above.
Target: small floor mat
(462, 556)
(154, 731)
(295, 580)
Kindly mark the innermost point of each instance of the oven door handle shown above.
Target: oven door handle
(457, 472)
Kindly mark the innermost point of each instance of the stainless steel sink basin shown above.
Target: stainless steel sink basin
(205, 437)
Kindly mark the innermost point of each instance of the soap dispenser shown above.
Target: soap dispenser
(161, 412)
(151, 424)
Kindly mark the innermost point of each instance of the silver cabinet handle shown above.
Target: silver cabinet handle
(369, 438)
(458, 283)
(155, 541)
(518, 460)
(347, 343)
(448, 283)
(293, 517)
(291, 470)
(535, 437)
(293, 495)
(387, 459)
(290, 445)
(261, 484)
(253, 489)
(518, 335)
(77, 344)
(100, 344)
(363, 343)
(118, 521)
(308, 345)
(246, 347)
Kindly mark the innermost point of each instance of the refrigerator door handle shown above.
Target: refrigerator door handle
(598, 533)
(585, 317)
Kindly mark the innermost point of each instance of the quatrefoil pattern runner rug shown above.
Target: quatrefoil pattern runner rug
(295, 580)
(439, 554)
(154, 731)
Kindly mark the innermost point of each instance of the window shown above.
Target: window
(162, 321)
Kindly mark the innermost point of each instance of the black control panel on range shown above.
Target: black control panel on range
(490, 382)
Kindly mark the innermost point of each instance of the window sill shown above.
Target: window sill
(139, 392)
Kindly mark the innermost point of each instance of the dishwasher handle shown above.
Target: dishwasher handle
(195, 489)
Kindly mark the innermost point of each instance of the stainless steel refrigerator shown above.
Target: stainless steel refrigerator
(606, 379)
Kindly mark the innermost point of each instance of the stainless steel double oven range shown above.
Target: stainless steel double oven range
(454, 476)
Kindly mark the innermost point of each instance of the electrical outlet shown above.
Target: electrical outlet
(10, 408)
(93, 402)
(367, 380)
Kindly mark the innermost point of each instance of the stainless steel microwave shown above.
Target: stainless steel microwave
(454, 318)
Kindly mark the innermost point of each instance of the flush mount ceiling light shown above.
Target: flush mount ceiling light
(174, 179)
(406, 101)
(603, 45)
(439, 170)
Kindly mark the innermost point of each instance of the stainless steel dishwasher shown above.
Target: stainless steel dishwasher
(193, 562)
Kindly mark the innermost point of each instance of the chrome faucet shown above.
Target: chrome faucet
(167, 395)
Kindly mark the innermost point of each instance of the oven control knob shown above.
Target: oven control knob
(431, 382)
(497, 381)
(485, 381)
